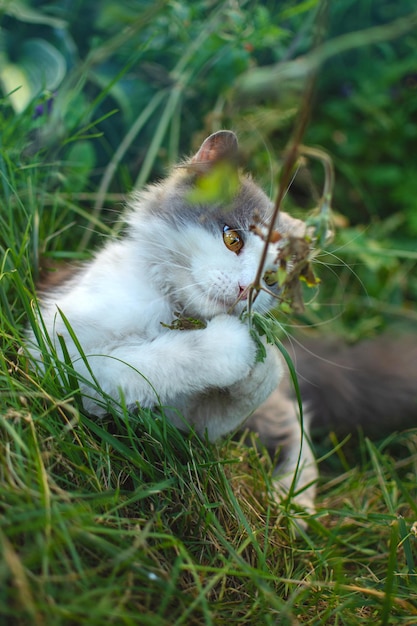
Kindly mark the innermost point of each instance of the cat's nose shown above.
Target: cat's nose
(243, 292)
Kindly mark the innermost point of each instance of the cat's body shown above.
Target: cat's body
(173, 260)
(370, 385)
(196, 259)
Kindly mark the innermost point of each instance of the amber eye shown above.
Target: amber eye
(232, 240)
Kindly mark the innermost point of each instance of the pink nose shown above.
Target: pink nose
(243, 292)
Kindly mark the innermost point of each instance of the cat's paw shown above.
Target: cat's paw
(268, 372)
(232, 348)
(295, 486)
(302, 500)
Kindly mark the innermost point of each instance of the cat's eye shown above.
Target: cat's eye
(270, 278)
(232, 240)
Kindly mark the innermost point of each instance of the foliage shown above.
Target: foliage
(126, 521)
(154, 66)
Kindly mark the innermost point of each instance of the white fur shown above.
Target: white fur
(115, 308)
(119, 305)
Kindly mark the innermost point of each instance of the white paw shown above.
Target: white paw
(231, 347)
(300, 489)
(268, 372)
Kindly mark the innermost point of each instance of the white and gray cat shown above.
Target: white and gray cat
(198, 260)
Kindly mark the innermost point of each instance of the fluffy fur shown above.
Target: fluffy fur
(371, 385)
(173, 259)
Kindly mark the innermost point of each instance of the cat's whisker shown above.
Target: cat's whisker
(166, 260)
(350, 241)
(189, 287)
(165, 263)
(165, 248)
(348, 267)
(316, 355)
(322, 323)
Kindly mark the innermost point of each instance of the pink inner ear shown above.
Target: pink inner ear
(220, 145)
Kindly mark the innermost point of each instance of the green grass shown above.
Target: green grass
(129, 522)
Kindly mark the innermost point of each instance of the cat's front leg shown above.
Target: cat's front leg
(219, 411)
(253, 390)
(280, 429)
(174, 365)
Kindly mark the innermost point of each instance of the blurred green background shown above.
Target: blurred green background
(100, 97)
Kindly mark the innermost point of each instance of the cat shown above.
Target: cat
(185, 257)
(193, 259)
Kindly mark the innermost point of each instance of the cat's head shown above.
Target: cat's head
(195, 230)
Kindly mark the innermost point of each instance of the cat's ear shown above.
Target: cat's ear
(219, 146)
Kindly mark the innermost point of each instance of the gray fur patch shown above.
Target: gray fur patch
(169, 200)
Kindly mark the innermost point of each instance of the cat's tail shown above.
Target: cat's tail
(371, 385)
